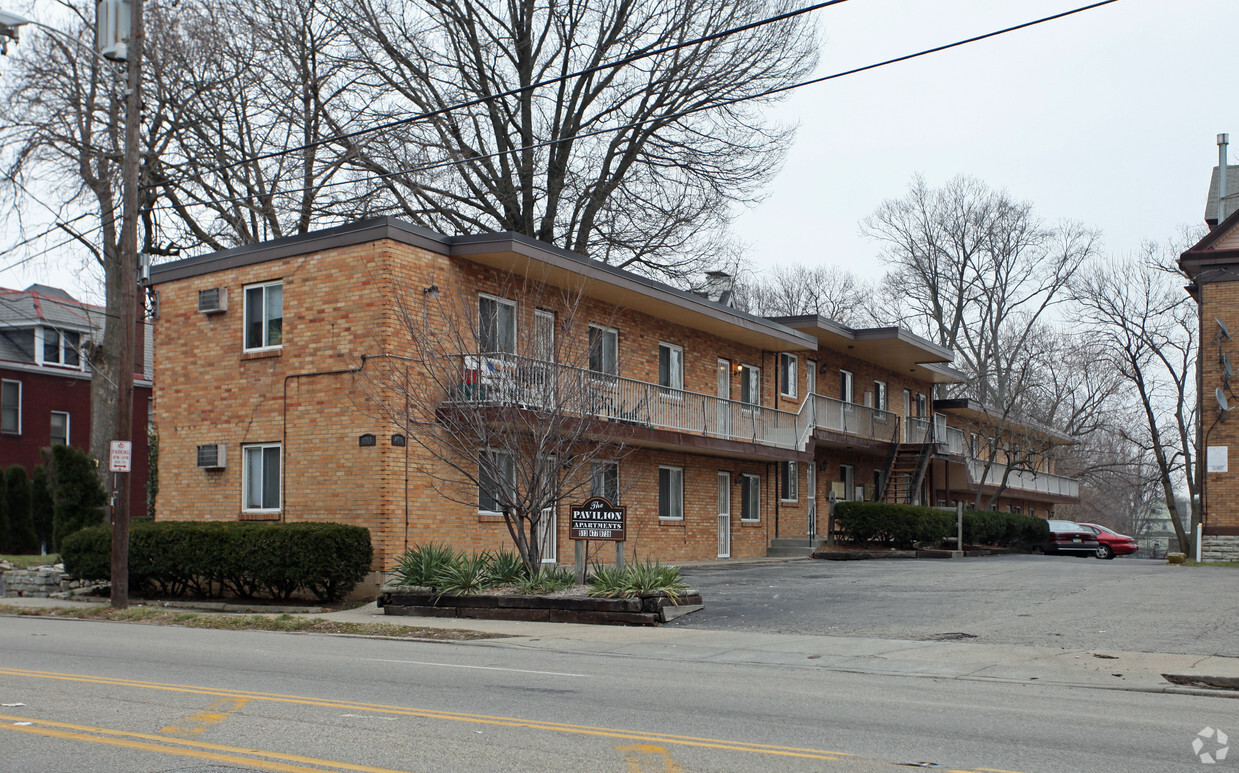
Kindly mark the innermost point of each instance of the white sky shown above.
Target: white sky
(1108, 117)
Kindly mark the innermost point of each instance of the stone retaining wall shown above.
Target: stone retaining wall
(37, 582)
(1216, 548)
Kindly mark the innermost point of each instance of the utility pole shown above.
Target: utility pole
(126, 311)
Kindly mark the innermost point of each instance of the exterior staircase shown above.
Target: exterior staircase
(789, 547)
(905, 473)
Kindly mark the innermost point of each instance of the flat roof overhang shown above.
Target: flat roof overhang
(971, 409)
(892, 348)
(521, 255)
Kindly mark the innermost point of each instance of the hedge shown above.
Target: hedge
(179, 558)
(906, 525)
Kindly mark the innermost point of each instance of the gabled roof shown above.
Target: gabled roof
(893, 348)
(523, 256)
(1232, 194)
(1219, 248)
(50, 306)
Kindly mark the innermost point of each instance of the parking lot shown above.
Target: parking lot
(1127, 604)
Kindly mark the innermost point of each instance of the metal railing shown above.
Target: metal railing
(1043, 482)
(853, 419)
(508, 379)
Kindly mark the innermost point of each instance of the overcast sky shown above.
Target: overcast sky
(1108, 117)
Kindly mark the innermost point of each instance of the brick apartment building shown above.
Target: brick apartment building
(737, 427)
(45, 380)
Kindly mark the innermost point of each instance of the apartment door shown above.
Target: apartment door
(724, 393)
(724, 515)
(811, 483)
(548, 530)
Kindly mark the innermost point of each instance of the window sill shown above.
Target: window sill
(490, 517)
(263, 516)
(261, 354)
(679, 522)
(749, 524)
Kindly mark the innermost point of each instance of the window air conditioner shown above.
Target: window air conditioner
(213, 301)
(212, 457)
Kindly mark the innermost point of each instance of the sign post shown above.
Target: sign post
(596, 518)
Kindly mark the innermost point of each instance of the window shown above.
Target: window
(603, 350)
(1032, 512)
(879, 395)
(788, 482)
(671, 493)
(750, 385)
(845, 386)
(60, 428)
(11, 407)
(261, 476)
(264, 316)
(496, 325)
(671, 366)
(544, 335)
(604, 481)
(61, 347)
(810, 376)
(496, 477)
(848, 473)
(907, 403)
(922, 406)
(750, 497)
(787, 374)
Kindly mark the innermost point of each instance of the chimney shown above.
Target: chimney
(719, 287)
(1223, 140)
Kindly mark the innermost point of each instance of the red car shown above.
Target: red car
(1070, 538)
(1110, 543)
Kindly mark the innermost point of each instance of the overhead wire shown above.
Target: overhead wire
(585, 135)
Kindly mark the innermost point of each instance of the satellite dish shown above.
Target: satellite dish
(1222, 328)
(1227, 372)
(1221, 400)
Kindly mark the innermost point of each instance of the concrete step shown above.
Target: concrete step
(792, 546)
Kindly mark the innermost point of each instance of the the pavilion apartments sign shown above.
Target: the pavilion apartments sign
(597, 518)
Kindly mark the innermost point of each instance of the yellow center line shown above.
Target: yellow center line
(203, 751)
(604, 732)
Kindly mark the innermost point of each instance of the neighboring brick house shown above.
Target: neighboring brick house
(45, 380)
(746, 426)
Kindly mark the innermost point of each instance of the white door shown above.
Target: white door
(811, 377)
(811, 482)
(547, 532)
(724, 515)
(724, 393)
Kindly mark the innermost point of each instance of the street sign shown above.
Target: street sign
(121, 457)
(598, 519)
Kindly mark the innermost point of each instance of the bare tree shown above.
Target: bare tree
(637, 166)
(976, 272)
(515, 426)
(1149, 327)
(795, 290)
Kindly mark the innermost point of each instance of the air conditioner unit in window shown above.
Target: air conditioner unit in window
(212, 457)
(213, 301)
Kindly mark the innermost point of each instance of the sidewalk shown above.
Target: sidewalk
(1097, 669)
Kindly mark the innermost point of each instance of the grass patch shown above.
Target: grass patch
(25, 562)
(246, 622)
(1228, 564)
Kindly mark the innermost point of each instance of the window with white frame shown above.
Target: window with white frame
(264, 315)
(787, 374)
(61, 347)
(750, 497)
(60, 428)
(11, 407)
(261, 477)
(845, 386)
(750, 384)
(788, 483)
(922, 406)
(496, 480)
(496, 325)
(848, 474)
(671, 493)
(671, 366)
(879, 395)
(810, 377)
(604, 350)
(604, 481)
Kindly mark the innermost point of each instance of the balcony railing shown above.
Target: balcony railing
(506, 379)
(1042, 482)
(852, 419)
(935, 431)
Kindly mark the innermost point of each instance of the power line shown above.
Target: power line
(32, 256)
(637, 124)
(512, 92)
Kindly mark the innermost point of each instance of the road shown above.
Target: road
(121, 697)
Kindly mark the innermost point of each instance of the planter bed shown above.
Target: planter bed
(650, 609)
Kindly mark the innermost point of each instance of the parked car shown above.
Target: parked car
(1111, 543)
(1071, 538)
